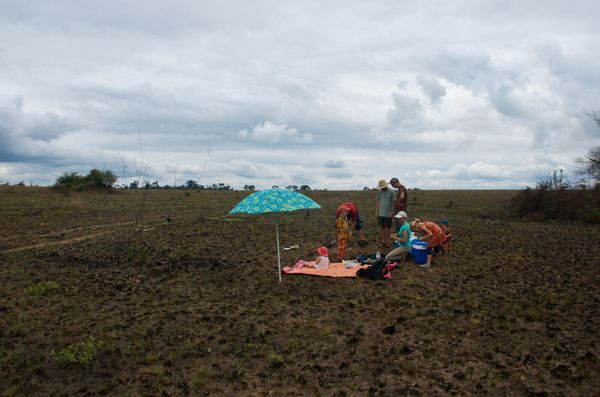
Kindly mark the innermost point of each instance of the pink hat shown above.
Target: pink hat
(322, 251)
(343, 207)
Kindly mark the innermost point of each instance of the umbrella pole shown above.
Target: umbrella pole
(278, 253)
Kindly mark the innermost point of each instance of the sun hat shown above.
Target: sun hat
(382, 184)
(323, 251)
(401, 214)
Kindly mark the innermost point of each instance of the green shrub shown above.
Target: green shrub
(70, 181)
(96, 179)
(82, 353)
(543, 203)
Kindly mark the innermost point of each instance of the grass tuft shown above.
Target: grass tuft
(42, 288)
(82, 353)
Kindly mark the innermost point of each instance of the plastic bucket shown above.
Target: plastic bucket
(419, 251)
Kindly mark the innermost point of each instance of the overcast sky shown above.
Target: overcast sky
(333, 94)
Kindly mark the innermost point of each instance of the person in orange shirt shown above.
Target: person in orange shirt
(431, 233)
(342, 235)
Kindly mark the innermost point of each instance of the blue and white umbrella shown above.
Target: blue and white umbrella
(274, 200)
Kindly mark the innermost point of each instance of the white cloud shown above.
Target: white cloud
(269, 133)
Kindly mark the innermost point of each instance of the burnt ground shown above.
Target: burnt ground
(182, 299)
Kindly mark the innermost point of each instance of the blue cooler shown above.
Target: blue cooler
(419, 251)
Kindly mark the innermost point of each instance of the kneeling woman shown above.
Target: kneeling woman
(429, 232)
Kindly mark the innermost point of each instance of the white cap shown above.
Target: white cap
(401, 214)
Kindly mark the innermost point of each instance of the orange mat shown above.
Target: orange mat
(334, 270)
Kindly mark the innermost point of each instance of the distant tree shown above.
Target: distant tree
(305, 188)
(22, 183)
(191, 184)
(100, 179)
(590, 165)
(275, 187)
(556, 181)
(595, 116)
(292, 187)
(133, 185)
(249, 187)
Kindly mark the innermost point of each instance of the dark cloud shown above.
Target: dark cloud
(432, 88)
(334, 164)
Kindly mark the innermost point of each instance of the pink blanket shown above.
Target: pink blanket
(334, 270)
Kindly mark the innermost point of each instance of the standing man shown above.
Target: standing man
(385, 211)
(401, 201)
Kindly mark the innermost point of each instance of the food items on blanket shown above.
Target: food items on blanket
(351, 264)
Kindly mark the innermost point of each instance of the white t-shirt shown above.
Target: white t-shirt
(323, 263)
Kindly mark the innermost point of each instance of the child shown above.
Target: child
(447, 244)
(322, 261)
(342, 234)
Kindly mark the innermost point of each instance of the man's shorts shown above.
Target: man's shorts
(384, 221)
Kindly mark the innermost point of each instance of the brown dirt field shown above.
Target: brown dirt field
(183, 299)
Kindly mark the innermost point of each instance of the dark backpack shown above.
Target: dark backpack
(376, 271)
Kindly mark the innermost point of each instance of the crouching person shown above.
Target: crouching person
(401, 239)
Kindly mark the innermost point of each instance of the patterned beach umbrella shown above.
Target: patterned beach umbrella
(274, 200)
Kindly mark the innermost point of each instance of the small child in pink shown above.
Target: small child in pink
(322, 261)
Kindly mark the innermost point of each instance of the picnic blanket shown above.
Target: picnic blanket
(334, 270)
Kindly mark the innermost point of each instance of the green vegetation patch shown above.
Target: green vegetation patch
(42, 288)
(82, 353)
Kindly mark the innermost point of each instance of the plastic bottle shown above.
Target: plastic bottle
(378, 255)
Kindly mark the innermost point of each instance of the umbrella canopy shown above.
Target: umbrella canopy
(274, 200)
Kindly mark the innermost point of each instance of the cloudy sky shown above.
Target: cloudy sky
(333, 94)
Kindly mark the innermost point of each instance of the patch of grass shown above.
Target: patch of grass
(275, 361)
(14, 390)
(357, 302)
(137, 255)
(198, 380)
(409, 281)
(326, 331)
(414, 296)
(41, 289)
(151, 358)
(82, 353)
(153, 370)
(236, 374)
